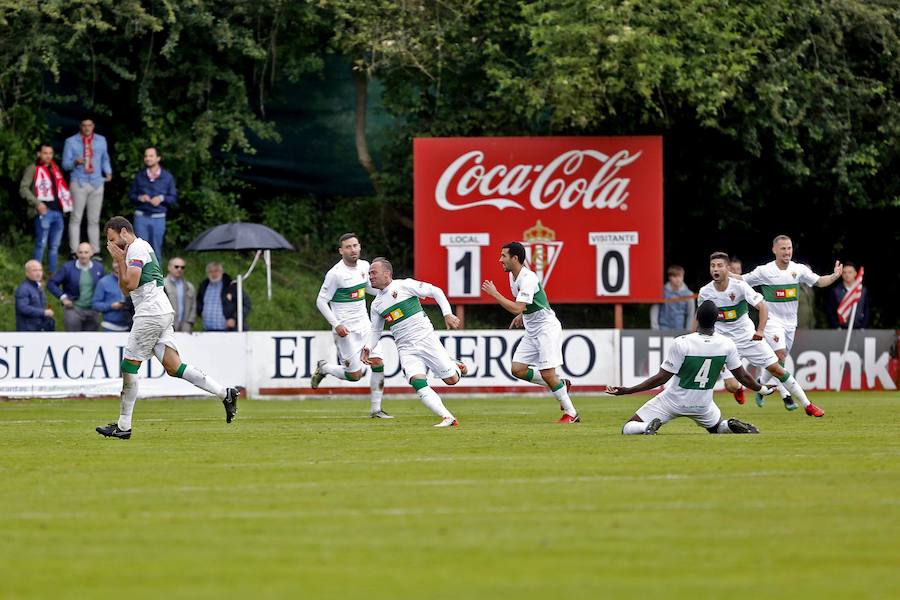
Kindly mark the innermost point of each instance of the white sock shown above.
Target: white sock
(203, 381)
(335, 370)
(795, 390)
(634, 428)
(430, 399)
(534, 376)
(768, 379)
(376, 385)
(723, 427)
(563, 396)
(127, 400)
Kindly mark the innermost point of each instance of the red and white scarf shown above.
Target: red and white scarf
(43, 186)
(88, 153)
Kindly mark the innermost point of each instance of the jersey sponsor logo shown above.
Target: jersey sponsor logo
(542, 250)
(727, 315)
(786, 293)
(394, 315)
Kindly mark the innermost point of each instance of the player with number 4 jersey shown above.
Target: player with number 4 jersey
(695, 360)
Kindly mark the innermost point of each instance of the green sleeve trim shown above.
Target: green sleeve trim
(180, 370)
(129, 367)
(418, 384)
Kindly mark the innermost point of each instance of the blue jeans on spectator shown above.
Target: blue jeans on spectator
(48, 230)
(152, 230)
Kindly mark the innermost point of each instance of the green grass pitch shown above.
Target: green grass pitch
(314, 500)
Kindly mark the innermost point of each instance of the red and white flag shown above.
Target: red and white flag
(850, 299)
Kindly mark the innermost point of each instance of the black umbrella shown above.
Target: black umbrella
(239, 236)
(243, 236)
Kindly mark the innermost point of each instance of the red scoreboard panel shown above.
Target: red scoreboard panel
(589, 211)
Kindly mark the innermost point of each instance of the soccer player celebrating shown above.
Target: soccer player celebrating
(696, 360)
(151, 333)
(542, 344)
(397, 304)
(780, 282)
(342, 301)
(731, 297)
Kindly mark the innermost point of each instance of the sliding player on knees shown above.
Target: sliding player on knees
(398, 305)
(780, 282)
(732, 297)
(342, 301)
(140, 276)
(696, 360)
(541, 348)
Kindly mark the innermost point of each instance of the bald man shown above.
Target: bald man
(32, 312)
(74, 285)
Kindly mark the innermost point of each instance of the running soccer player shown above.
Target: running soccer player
(696, 359)
(542, 344)
(151, 333)
(780, 282)
(731, 297)
(397, 304)
(342, 301)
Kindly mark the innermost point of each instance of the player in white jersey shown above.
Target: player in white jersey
(398, 305)
(696, 359)
(780, 282)
(342, 301)
(732, 298)
(542, 344)
(151, 333)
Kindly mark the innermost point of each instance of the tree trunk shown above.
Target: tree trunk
(361, 82)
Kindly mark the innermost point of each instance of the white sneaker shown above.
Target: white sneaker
(448, 422)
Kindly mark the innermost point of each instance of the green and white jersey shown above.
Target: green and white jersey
(733, 304)
(527, 288)
(149, 297)
(781, 289)
(398, 305)
(696, 360)
(342, 297)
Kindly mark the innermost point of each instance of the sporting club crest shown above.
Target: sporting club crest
(542, 250)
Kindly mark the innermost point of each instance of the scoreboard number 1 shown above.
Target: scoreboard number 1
(613, 261)
(464, 263)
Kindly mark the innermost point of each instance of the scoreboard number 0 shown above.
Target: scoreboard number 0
(464, 263)
(613, 264)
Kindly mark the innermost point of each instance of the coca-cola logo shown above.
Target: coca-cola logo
(576, 177)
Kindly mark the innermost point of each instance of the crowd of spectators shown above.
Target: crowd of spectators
(89, 296)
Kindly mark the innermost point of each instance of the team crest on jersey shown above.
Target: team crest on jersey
(732, 296)
(542, 250)
(394, 294)
(775, 337)
(794, 274)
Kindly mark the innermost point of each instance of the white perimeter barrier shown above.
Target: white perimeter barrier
(280, 363)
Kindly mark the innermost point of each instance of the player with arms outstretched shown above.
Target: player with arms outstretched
(696, 360)
(732, 297)
(342, 301)
(140, 276)
(398, 305)
(542, 344)
(780, 282)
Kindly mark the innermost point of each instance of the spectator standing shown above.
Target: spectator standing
(74, 285)
(217, 300)
(674, 314)
(32, 313)
(86, 155)
(736, 265)
(848, 277)
(110, 301)
(152, 193)
(182, 296)
(45, 189)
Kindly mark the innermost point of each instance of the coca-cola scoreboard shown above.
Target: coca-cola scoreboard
(589, 211)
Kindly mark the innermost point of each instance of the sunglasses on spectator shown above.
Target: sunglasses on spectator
(178, 266)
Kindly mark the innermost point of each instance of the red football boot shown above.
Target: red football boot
(814, 411)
